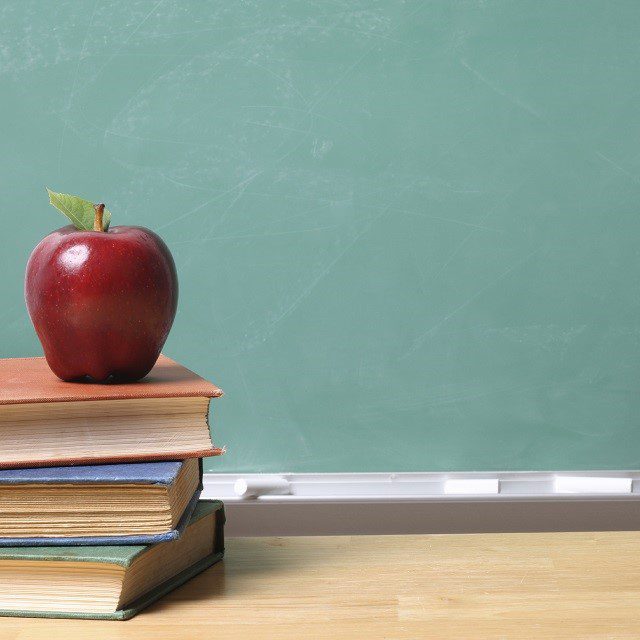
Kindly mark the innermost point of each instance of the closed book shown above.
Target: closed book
(47, 422)
(107, 582)
(138, 503)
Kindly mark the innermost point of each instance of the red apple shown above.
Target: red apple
(102, 302)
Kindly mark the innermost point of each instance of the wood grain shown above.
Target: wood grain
(551, 585)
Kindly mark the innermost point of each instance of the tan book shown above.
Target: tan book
(47, 422)
(107, 582)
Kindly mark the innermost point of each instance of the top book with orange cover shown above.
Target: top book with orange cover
(47, 422)
(26, 380)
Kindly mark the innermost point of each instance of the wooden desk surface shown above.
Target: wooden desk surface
(557, 585)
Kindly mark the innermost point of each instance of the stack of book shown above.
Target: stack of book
(99, 490)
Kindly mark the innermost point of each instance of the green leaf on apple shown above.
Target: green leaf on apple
(79, 211)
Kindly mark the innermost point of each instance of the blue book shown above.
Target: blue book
(112, 504)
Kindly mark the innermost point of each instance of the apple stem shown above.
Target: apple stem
(97, 221)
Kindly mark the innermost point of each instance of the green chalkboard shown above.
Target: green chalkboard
(407, 233)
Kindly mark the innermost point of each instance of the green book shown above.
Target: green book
(107, 582)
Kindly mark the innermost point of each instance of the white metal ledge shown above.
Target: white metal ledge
(397, 503)
(381, 487)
